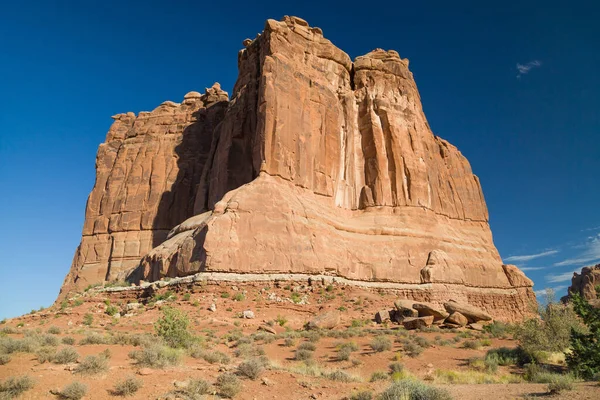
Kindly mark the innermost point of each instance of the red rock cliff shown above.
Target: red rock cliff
(318, 165)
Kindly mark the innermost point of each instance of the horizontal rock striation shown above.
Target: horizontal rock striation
(318, 165)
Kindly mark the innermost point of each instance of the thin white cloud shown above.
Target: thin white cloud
(525, 68)
(565, 276)
(556, 289)
(532, 268)
(595, 228)
(589, 255)
(529, 257)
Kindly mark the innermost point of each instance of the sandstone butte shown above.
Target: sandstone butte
(317, 166)
(585, 285)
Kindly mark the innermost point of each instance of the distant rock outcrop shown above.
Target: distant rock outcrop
(585, 283)
(318, 165)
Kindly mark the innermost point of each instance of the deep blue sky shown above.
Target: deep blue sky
(66, 67)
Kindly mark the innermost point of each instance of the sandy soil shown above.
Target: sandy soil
(280, 382)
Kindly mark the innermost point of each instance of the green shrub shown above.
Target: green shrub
(112, 310)
(68, 340)
(505, 356)
(422, 341)
(127, 387)
(225, 295)
(92, 365)
(54, 330)
(363, 395)
(472, 344)
(187, 297)
(95, 338)
(246, 350)
(65, 355)
(560, 383)
(344, 354)
(289, 342)
(379, 376)
(239, 297)
(210, 356)
(307, 346)
(45, 354)
(74, 391)
(4, 359)
(412, 349)
(228, 385)
(396, 367)
(14, 387)
(173, 328)
(408, 389)
(156, 356)
(88, 319)
(303, 355)
(552, 332)
(251, 368)
(281, 321)
(584, 358)
(339, 376)
(198, 387)
(380, 344)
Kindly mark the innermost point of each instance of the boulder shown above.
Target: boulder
(426, 309)
(456, 318)
(404, 309)
(475, 327)
(417, 322)
(472, 313)
(268, 329)
(248, 314)
(327, 320)
(382, 316)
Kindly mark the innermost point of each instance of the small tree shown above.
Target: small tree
(584, 358)
(173, 328)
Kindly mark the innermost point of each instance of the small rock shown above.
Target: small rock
(145, 371)
(267, 382)
(132, 306)
(248, 314)
(328, 320)
(476, 327)
(382, 316)
(181, 384)
(418, 322)
(267, 328)
(213, 307)
(456, 318)
(235, 288)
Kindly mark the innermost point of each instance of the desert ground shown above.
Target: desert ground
(358, 359)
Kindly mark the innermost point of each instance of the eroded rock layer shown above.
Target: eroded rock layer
(319, 165)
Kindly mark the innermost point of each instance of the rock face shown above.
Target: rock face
(318, 165)
(585, 283)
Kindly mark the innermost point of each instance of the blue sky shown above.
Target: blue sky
(515, 86)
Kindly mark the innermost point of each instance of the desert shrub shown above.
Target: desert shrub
(246, 350)
(312, 336)
(45, 354)
(289, 342)
(251, 368)
(340, 376)
(396, 367)
(14, 387)
(408, 389)
(173, 328)
(88, 319)
(488, 364)
(127, 387)
(472, 344)
(54, 330)
(381, 343)
(584, 358)
(552, 332)
(344, 354)
(210, 356)
(74, 391)
(303, 355)
(198, 387)
(379, 376)
(473, 377)
(65, 355)
(505, 356)
(238, 297)
(95, 338)
(4, 359)
(68, 340)
(187, 297)
(363, 395)
(228, 385)
(92, 365)
(422, 341)
(498, 329)
(112, 310)
(412, 349)
(560, 383)
(307, 346)
(156, 356)
(281, 321)
(8, 330)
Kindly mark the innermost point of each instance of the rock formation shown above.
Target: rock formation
(318, 165)
(585, 283)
